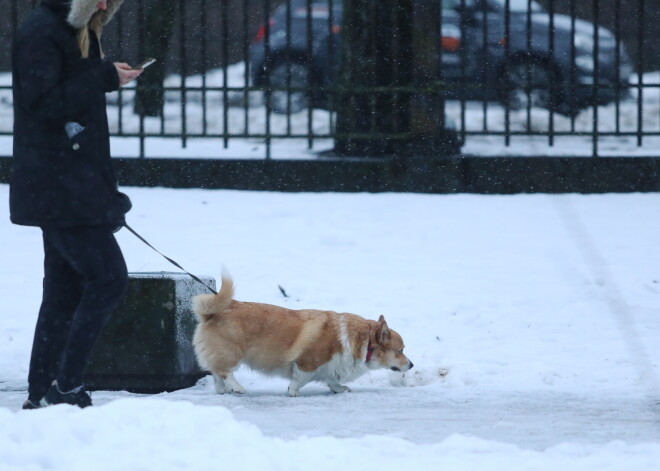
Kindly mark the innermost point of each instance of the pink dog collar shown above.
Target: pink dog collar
(370, 350)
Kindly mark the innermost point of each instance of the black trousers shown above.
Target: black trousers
(85, 277)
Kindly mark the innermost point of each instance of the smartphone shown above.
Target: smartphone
(145, 63)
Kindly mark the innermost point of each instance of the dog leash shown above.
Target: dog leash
(170, 260)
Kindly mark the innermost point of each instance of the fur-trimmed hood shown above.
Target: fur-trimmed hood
(82, 10)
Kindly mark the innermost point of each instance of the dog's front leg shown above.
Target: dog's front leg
(298, 380)
(336, 387)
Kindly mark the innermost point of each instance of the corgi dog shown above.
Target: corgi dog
(300, 345)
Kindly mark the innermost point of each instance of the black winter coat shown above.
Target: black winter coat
(57, 181)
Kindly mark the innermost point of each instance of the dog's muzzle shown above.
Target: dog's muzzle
(410, 365)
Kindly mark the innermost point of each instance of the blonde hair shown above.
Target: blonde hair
(96, 25)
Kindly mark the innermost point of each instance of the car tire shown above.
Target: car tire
(528, 84)
(285, 75)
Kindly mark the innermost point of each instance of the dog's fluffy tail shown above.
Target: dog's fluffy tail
(206, 305)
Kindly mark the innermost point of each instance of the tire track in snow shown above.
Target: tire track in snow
(618, 306)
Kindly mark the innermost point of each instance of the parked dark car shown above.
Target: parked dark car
(547, 60)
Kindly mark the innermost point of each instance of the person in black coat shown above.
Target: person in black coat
(63, 182)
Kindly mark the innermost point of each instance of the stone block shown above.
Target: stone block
(146, 346)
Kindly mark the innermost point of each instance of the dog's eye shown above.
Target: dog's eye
(400, 352)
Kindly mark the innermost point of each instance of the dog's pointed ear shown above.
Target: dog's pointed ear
(383, 332)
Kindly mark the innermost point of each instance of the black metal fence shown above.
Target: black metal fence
(272, 79)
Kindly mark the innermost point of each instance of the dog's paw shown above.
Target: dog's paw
(228, 385)
(294, 392)
(232, 386)
(339, 388)
(228, 390)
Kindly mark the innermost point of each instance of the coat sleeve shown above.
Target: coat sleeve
(38, 63)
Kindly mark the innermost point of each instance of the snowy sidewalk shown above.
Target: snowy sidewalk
(531, 420)
(533, 322)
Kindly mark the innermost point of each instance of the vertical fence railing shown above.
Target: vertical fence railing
(552, 84)
(310, 70)
(141, 132)
(507, 58)
(183, 73)
(247, 70)
(486, 42)
(640, 66)
(528, 48)
(120, 93)
(225, 75)
(333, 58)
(463, 59)
(221, 85)
(617, 64)
(573, 85)
(267, 85)
(288, 69)
(596, 75)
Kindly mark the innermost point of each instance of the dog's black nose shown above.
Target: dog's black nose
(410, 365)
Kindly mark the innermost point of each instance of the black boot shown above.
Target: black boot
(29, 405)
(77, 397)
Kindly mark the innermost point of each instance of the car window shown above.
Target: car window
(519, 5)
(446, 4)
(452, 4)
(514, 5)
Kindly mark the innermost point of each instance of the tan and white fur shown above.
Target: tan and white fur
(301, 345)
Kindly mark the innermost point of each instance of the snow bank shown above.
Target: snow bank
(133, 434)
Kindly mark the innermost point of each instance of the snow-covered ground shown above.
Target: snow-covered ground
(245, 114)
(533, 322)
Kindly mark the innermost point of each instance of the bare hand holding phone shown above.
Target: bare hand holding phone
(144, 64)
(126, 73)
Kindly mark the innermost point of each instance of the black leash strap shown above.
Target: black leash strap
(170, 260)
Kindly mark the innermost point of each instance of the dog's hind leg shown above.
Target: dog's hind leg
(222, 364)
(228, 384)
(299, 378)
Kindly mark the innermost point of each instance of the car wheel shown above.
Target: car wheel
(526, 84)
(285, 76)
